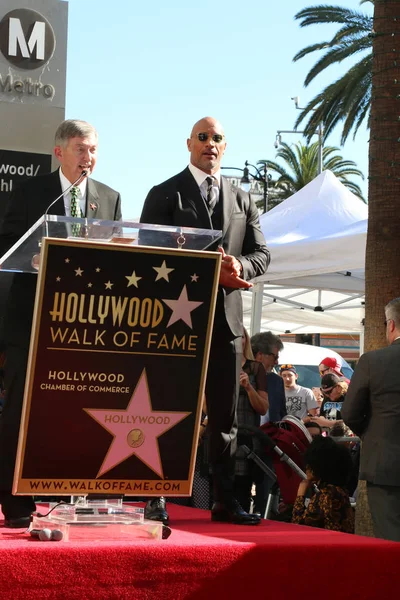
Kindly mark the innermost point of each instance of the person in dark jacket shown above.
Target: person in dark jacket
(200, 197)
(372, 411)
(76, 150)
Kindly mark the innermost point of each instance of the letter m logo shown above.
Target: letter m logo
(27, 38)
(17, 38)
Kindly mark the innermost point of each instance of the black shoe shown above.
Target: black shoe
(166, 532)
(233, 513)
(155, 510)
(18, 522)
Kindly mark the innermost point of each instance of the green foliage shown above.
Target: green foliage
(348, 99)
(300, 166)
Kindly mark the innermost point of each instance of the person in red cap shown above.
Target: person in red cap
(331, 365)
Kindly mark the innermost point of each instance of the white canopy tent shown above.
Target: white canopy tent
(315, 282)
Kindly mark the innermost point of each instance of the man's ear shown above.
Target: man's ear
(58, 153)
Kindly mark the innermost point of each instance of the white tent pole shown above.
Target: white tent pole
(256, 308)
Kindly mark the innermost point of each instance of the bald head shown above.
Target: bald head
(207, 145)
(206, 123)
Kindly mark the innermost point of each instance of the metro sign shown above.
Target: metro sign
(27, 39)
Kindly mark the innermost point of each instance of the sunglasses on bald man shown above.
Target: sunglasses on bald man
(216, 137)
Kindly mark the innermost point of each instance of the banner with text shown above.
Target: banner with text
(16, 166)
(117, 369)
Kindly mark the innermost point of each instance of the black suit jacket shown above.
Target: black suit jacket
(26, 205)
(372, 410)
(178, 202)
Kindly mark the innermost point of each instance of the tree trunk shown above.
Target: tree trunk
(382, 272)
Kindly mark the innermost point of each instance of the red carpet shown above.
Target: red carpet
(202, 560)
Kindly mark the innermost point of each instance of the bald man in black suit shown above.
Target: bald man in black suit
(199, 197)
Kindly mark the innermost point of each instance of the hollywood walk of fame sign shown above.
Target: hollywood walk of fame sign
(116, 370)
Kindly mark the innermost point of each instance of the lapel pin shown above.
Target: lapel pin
(93, 206)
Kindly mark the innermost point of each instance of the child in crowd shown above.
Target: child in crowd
(323, 499)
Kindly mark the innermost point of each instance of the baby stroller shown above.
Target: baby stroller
(286, 442)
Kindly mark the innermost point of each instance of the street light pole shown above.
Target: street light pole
(263, 177)
(319, 133)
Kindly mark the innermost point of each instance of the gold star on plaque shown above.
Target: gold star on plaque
(133, 279)
(58, 279)
(89, 284)
(194, 278)
(67, 260)
(78, 272)
(108, 285)
(98, 269)
(162, 272)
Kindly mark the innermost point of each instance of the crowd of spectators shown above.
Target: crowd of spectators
(323, 499)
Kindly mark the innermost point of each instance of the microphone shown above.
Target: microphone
(83, 174)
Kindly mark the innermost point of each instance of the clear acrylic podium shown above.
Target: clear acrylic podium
(24, 255)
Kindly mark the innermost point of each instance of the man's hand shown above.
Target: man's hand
(230, 272)
(244, 380)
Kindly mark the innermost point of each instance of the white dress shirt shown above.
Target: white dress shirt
(201, 177)
(65, 183)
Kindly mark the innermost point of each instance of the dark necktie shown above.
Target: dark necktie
(211, 198)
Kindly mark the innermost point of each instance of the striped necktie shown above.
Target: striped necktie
(211, 197)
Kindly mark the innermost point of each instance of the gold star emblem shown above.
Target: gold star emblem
(108, 285)
(58, 279)
(133, 279)
(67, 260)
(90, 285)
(163, 271)
(98, 269)
(194, 278)
(78, 272)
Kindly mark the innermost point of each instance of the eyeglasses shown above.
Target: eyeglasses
(285, 367)
(216, 137)
(276, 356)
(327, 391)
(386, 321)
(322, 371)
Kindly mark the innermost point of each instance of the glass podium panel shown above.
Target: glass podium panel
(24, 256)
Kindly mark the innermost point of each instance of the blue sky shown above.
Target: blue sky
(143, 73)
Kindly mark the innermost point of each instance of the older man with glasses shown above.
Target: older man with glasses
(372, 410)
(199, 197)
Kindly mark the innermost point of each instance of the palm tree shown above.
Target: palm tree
(382, 274)
(301, 167)
(348, 99)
